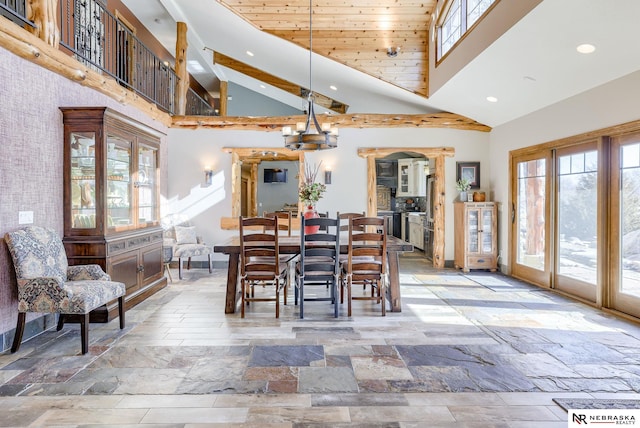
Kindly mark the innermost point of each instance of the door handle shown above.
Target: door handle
(513, 213)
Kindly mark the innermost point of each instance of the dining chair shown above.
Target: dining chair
(260, 263)
(284, 220)
(366, 261)
(345, 218)
(319, 261)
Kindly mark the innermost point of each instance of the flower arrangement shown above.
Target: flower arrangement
(311, 192)
(463, 185)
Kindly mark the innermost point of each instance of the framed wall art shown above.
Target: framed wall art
(470, 171)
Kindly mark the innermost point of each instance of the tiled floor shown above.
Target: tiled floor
(475, 350)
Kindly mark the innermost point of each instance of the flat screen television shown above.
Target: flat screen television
(275, 175)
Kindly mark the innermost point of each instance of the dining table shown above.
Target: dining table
(291, 245)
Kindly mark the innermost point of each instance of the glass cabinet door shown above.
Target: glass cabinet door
(487, 231)
(473, 217)
(119, 195)
(83, 180)
(147, 185)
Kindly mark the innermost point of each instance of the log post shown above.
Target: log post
(372, 200)
(236, 186)
(438, 214)
(182, 86)
(43, 14)
(223, 98)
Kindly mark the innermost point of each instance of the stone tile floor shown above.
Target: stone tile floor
(475, 350)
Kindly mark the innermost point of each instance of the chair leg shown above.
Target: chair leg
(349, 284)
(244, 296)
(17, 339)
(121, 311)
(179, 267)
(84, 332)
(60, 322)
(166, 268)
(277, 300)
(210, 269)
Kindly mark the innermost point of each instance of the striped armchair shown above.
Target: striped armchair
(47, 284)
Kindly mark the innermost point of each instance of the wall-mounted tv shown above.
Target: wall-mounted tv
(275, 175)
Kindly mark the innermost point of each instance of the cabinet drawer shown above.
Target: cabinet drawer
(481, 262)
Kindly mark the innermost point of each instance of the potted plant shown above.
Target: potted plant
(463, 185)
(311, 192)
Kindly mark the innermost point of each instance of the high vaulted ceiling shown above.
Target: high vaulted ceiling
(531, 66)
(356, 34)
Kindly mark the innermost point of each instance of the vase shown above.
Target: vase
(463, 196)
(310, 212)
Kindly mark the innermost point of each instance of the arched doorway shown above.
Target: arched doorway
(436, 153)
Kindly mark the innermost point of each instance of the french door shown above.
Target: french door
(555, 216)
(625, 224)
(576, 237)
(530, 223)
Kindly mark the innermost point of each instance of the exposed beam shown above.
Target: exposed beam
(433, 120)
(292, 88)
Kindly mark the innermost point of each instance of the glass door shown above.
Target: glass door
(83, 180)
(530, 218)
(576, 255)
(146, 185)
(625, 224)
(119, 195)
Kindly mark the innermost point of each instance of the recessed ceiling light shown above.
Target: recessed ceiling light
(262, 86)
(492, 99)
(585, 48)
(529, 78)
(249, 53)
(333, 87)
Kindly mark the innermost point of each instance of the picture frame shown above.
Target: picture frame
(470, 171)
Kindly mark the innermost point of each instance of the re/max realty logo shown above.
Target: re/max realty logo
(606, 417)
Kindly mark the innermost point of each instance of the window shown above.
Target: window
(459, 17)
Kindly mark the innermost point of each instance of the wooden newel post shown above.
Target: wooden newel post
(182, 86)
(43, 14)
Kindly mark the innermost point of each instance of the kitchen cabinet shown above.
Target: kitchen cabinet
(475, 226)
(412, 177)
(111, 201)
(416, 230)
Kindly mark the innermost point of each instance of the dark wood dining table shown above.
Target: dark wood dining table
(291, 245)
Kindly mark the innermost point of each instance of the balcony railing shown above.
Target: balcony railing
(198, 106)
(98, 39)
(101, 41)
(16, 11)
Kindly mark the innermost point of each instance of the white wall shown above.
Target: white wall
(191, 150)
(611, 104)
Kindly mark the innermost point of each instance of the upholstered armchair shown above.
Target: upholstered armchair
(186, 243)
(46, 283)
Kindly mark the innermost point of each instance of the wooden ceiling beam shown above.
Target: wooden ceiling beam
(299, 91)
(275, 124)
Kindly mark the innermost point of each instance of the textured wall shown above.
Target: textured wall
(31, 154)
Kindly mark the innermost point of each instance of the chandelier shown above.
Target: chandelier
(310, 135)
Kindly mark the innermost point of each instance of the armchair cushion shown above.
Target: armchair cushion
(89, 272)
(186, 235)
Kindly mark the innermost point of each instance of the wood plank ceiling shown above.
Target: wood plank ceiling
(356, 34)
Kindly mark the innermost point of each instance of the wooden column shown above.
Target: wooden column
(372, 200)
(182, 86)
(254, 191)
(236, 185)
(438, 214)
(43, 14)
(223, 98)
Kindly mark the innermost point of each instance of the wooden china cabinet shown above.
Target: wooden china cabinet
(111, 200)
(476, 239)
